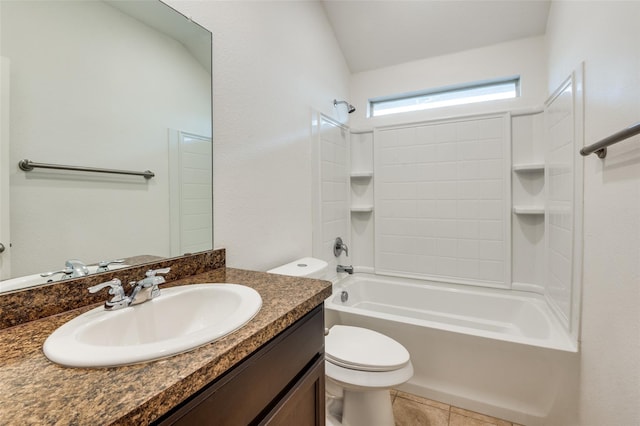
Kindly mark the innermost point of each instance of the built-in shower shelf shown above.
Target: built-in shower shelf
(533, 210)
(361, 209)
(361, 175)
(528, 168)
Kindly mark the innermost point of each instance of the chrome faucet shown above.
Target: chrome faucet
(143, 290)
(339, 247)
(73, 268)
(343, 268)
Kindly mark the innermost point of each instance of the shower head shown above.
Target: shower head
(350, 107)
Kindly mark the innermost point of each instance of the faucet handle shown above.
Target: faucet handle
(154, 272)
(339, 246)
(150, 282)
(103, 266)
(115, 287)
(119, 299)
(65, 271)
(153, 279)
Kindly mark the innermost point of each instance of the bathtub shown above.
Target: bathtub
(499, 352)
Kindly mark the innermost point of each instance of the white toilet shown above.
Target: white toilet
(361, 365)
(307, 267)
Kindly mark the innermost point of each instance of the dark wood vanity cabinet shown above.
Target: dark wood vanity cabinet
(282, 383)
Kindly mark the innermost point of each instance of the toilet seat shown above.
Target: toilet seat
(361, 349)
(367, 380)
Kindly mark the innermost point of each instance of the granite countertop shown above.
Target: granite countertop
(34, 390)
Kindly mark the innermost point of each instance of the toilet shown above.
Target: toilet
(361, 365)
(307, 267)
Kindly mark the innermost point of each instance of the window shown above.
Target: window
(446, 96)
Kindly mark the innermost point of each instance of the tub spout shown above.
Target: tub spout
(347, 269)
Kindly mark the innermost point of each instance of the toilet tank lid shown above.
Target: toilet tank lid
(304, 267)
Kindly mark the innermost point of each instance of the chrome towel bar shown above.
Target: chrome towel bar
(600, 147)
(28, 165)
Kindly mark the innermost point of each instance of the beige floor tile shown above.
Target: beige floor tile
(483, 419)
(411, 413)
(422, 400)
(460, 420)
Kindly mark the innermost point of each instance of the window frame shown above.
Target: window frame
(444, 90)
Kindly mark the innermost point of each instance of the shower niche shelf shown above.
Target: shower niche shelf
(528, 201)
(529, 168)
(530, 210)
(362, 175)
(361, 202)
(361, 209)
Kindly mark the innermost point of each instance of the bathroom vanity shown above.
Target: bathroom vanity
(268, 372)
(282, 383)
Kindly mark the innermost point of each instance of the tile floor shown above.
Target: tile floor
(412, 410)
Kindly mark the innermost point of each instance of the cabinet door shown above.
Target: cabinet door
(304, 405)
(255, 389)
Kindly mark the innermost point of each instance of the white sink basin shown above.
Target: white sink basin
(180, 319)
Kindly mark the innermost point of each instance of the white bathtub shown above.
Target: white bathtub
(495, 351)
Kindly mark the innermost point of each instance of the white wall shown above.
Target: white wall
(525, 57)
(273, 64)
(605, 35)
(60, 115)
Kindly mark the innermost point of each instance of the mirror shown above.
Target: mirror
(103, 84)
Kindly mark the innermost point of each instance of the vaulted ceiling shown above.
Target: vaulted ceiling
(381, 33)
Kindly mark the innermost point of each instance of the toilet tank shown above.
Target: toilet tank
(307, 267)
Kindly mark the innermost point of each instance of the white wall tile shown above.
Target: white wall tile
(334, 183)
(491, 250)
(491, 270)
(467, 229)
(447, 267)
(490, 230)
(559, 218)
(469, 249)
(426, 246)
(468, 268)
(445, 132)
(447, 187)
(490, 128)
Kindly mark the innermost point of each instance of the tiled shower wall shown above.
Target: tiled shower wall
(333, 210)
(560, 200)
(442, 201)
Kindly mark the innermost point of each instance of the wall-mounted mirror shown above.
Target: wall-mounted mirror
(105, 84)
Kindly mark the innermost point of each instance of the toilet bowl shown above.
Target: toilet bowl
(361, 365)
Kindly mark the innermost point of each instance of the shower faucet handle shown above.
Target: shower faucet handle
(339, 247)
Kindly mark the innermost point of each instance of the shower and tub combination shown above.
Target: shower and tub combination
(494, 351)
(468, 252)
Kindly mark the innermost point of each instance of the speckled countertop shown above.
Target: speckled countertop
(34, 390)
